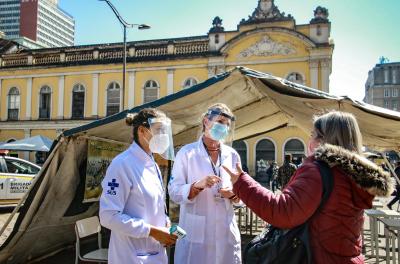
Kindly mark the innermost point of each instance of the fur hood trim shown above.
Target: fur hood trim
(364, 172)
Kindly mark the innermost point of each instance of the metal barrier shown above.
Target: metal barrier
(249, 223)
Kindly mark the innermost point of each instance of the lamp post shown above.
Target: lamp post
(125, 25)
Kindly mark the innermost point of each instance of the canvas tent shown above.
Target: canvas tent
(261, 103)
(36, 143)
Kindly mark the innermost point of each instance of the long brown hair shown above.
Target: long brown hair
(340, 129)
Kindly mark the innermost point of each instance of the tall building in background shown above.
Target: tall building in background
(383, 86)
(9, 17)
(39, 20)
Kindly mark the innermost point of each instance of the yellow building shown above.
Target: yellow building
(46, 91)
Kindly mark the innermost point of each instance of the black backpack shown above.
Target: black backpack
(289, 246)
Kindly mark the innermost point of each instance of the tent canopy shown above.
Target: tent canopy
(261, 103)
(36, 143)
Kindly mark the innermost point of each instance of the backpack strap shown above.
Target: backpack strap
(327, 182)
(327, 186)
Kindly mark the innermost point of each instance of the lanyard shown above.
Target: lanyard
(212, 163)
(161, 182)
(158, 173)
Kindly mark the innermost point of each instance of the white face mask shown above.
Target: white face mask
(159, 143)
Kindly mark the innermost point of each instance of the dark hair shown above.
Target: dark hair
(288, 157)
(141, 119)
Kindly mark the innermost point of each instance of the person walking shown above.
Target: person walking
(396, 193)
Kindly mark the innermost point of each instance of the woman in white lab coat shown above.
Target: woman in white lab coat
(204, 192)
(132, 204)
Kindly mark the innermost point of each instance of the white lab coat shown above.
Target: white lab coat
(213, 236)
(132, 200)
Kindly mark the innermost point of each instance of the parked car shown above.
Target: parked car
(16, 176)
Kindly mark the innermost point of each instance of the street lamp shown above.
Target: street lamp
(125, 25)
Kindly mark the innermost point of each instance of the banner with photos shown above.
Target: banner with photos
(100, 155)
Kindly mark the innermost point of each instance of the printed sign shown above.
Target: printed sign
(100, 155)
(19, 187)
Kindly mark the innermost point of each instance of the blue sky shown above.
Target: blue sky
(363, 30)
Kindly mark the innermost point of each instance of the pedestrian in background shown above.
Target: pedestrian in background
(396, 193)
(286, 171)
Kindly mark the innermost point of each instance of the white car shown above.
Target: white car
(15, 178)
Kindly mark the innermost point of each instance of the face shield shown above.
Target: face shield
(220, 126)
(161, 141)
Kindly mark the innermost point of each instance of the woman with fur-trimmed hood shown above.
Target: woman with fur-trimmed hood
(335, 230)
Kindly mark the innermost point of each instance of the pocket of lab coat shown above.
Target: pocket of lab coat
(195, 228)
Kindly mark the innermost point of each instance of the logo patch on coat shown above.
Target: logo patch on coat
(113, 184)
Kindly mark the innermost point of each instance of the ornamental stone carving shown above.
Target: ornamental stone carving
(321, 15)
(266, 11)
(217, 26)
(267, 47)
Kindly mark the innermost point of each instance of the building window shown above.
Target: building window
(113, 98)
(265, 154)
(394, 75)
(319, 31)
(241, 148)
(150, 91)
(189, 83)
(13, 103)
(395, 92)
(386, 75)
(386, 93)
(296, 78)
(78, 101)
(44, 102)
(216, 39)
(394, 105)
(296, 148)
(386, 104)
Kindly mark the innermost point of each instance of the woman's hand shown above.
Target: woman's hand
(234, 175)
(226, 193)
(207, 182)
(163, 236)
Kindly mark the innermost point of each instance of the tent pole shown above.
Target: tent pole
(166, 187)
(390, 168)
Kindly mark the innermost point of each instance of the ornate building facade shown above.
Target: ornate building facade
(49, 90)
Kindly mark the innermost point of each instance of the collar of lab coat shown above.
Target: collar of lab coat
(138, 152)
(202, 150)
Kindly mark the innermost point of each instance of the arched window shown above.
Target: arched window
(296, 78)
(150, 91)
(78, 101)
(13, 103)
(44, 102)
(265, 150)
(113, 98)
(189, 83)
(296, 148)
(241, 148)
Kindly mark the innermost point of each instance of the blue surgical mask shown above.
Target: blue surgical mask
(219, 131)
